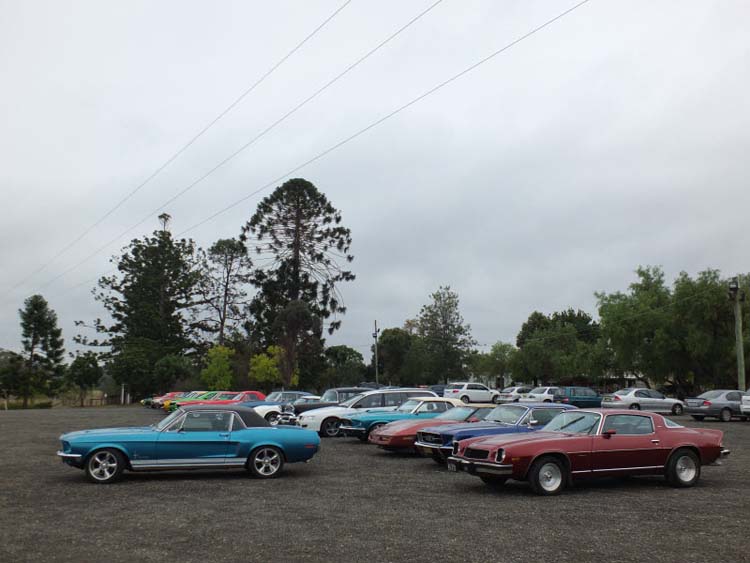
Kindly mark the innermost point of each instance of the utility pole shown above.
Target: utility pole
(737, 295)
(375, 336)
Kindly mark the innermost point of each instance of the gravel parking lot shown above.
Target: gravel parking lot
(352, 502)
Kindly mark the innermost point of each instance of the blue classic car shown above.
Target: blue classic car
(361, 424)
(505, 419)
(192, 437)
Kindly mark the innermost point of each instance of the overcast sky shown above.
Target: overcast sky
(615, 137)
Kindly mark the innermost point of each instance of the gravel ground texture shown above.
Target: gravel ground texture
(353, 502)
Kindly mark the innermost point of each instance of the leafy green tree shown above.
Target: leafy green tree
(170, 369)
(265, 367)
(393, 347)
(418, 367)
(84, 373)
(303, 251)
(43, 348)
(447, 337)
(218, 373)
(228, 272)
(152, 301)
(344, 366)
(494, 366)
(11, 365)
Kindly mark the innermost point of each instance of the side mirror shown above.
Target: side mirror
(533, 422)
(609, 433)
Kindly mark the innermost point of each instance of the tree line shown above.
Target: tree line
(253, 312)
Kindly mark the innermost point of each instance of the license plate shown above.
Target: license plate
(607, 399)
(452, 466)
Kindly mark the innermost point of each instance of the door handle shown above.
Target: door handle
(654, 441)
(224, 434)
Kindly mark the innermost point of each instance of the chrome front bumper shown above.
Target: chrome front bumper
(352, 430)
(477, 467)
(69, 456)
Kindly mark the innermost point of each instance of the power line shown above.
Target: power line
(172, 158)
(250, 143)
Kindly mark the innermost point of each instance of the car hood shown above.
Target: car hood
(411, 426)
(379, 415)
(457, 427)
(535, 437)
(101, 432)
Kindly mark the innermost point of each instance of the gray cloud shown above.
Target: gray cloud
(616, 137)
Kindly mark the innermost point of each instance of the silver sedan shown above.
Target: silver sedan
(637, 398)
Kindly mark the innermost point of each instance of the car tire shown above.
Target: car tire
(547, 476)
(725, 415)
(494, 481)
(634, 407)
(677, 409)
(272, 418)
(547, 400)
(330, 428)
(105, 466)
(465, 398)
(495, 398)
(697, 417)
(683, 468)
(265, 462)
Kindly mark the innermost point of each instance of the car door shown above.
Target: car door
(477, 393)
(200, 439)
(634, 446)
(734, 399)
(658, 402)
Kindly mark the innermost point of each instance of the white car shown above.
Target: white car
(745, 404)
(642, 399)
(272, 413)
(470, 392)
(539, 395)
(326, 421)
(512, 394)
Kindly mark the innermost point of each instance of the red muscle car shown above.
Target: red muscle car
(401, 434)
(592, 443)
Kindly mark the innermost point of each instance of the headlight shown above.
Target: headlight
(500, 456)
(287, 408)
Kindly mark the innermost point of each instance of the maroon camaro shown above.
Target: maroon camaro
(592, 443)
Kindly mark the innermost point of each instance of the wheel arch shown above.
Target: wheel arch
(98, 447)
(266, 443)
(563, 457)
(692, 447)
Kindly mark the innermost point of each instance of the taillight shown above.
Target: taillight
(565, 400)
(706, 403)
(454, 391)
(616, 398)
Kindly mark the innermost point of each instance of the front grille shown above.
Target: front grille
(430, 438)
(471, 453)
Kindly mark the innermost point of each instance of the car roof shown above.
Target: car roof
(427, 392)
(619, 411)
(366, 389)
(247, 414)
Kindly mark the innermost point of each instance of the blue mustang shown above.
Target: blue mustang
(505, 419)
(192, 437)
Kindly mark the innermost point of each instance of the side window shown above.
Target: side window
(370, 402)
(628, 424)
(237, 423)
(175, 426)
(206, 421)
(641, 394)
(734, 396)
(543, 416)
(656, 395)
(415, 394)
(394, 399)
(589, 392)
(476, 387)
(433, 407)
(553, 390)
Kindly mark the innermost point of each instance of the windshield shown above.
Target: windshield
(330, 396)
(509, 390)
(408, 406)
(710, 395)
(457, 413)
(353, 400)
(274, 397)
(225, 396)
(164, 422)
(623, 391)
(454, 386)
(574, 422)
(506, 414)
(538, 390)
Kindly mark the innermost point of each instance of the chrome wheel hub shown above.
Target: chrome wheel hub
(550, 477)
(685, 469)
(103, 465)
(267, 461)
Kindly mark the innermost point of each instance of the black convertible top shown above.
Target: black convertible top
(248, 415)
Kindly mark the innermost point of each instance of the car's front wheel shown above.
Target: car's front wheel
(683, 468)
(677, 409)
(265, 462)
(105, 466)
(273, 418)
(547, 476)
(635, 407)
(374, 427)
(495, 399)
(330, 428)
